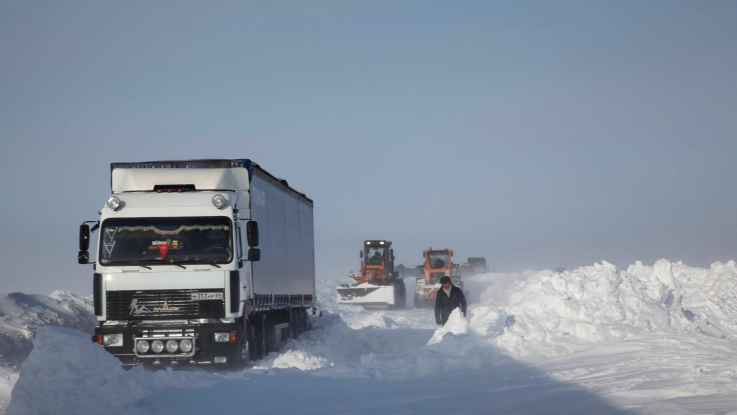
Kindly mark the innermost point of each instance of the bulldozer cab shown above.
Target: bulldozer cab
(377, 254)
(438, 259)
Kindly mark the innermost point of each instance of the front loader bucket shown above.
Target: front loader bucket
(376, 295)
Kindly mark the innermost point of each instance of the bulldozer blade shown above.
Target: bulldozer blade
(366, 296)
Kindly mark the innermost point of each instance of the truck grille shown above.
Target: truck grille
(162, 305)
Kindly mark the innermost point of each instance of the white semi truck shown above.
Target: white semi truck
(200, 263)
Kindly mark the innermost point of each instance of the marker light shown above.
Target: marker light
(113, 202)
(157, 346)
(142, 346)
(172, 346)
(218, 201)
(185, 345)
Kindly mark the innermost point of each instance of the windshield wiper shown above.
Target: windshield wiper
(212, 264)
(180, 266)
(143, 266)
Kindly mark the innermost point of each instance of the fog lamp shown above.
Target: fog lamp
(221, 359)
(172, 346)
(218, 201)
(185, 346)
(142, 346)
(113, 202)
(157, 346)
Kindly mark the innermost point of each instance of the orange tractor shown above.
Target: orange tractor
(377, 284)
(437, 265)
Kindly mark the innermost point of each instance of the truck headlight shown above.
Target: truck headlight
(157, 346)
(222, 337)
(113, 202)
(218, 201)
(142, 346)
(112, 339)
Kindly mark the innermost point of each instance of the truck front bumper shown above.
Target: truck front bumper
(216, 346)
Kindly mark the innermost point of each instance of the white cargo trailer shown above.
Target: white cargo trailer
(200, 263)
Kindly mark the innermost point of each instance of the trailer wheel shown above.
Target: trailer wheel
(255, 335)
(269, 334)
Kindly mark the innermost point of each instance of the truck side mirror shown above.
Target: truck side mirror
(252, 233)
(83, 257)
(254, 254)
(391, 253)
(451, 253)
(360, 254)
(84, 237)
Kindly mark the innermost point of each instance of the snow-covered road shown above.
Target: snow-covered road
(648, 340)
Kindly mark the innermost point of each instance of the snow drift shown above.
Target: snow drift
(640, 337)
(559, 313)
(20, 317)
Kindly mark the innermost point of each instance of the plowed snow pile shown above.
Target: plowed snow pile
(21, 315)
(552, 314)
(652, 339)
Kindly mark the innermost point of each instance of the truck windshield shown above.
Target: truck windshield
(134, 241)
(438, 259)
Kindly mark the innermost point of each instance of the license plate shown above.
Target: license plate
(207, 296)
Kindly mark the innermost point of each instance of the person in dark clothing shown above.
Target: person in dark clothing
(449, 298)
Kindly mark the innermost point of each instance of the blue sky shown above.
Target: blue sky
(537, 134)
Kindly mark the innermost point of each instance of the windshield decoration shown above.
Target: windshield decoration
(173, 240)
(163, 249)
(109, 247)
(172, 232)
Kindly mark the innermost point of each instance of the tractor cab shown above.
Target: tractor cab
(378, 255)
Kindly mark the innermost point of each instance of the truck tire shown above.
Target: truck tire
(402, 296)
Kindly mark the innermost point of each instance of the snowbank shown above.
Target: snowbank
(21, 315)
(553, 313)
(66, 373)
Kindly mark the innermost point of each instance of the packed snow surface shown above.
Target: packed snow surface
(654, 339)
